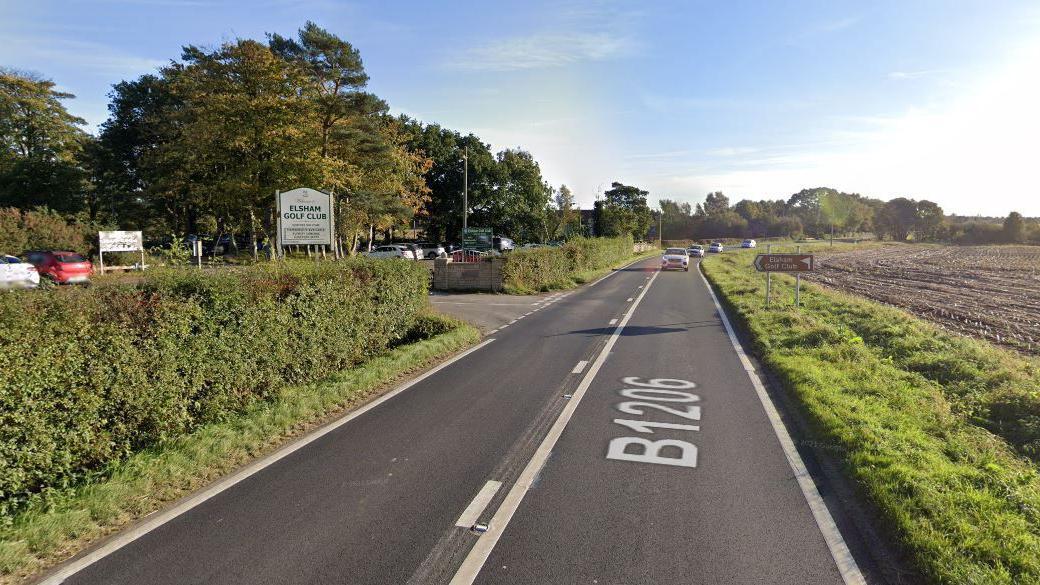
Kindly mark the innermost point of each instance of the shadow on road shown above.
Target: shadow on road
(639, 330)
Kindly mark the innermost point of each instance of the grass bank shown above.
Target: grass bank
(578, 261)
(926, 423)
(55, 527)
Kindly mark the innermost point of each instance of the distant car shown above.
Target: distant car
(715, 247)
(17, 274)
(502, 243)
(391, 251)
(61, 267)
(696, 250)
(674, 259)
(431, 250)
(749, 243)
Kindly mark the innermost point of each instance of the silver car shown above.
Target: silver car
(696, 251)
(392, 251)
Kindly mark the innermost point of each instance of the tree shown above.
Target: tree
(624, 211)
(714, 204)
(1014, 228)
(569, 217)
(41, 144)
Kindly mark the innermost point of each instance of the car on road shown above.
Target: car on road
(61, 267)
(391, 251)
(695, 251)
(431, 250)
(716, 247)
(17, 274)
(674, 259)
(749, 243)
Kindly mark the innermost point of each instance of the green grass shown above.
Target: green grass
(66, 520)
(921, 419)
(579, 278)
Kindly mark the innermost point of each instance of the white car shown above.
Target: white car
(749, 243)
(17, 274)
(696, 250)
(674, 259)
(715, 247)
(431, 250)
(394, 251)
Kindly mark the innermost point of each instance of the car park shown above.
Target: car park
(391, 251)
(61, 267)
(675, 259)
(695, 251)
(15, 274)
(749, 243)
(716, 247)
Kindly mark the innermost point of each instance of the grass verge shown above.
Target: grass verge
(69, 520)
(958, 497)
(579, 278)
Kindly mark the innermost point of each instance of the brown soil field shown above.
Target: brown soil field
(986, 292)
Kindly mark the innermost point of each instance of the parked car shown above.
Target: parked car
(532, 246)
(696, 250)
(17, 274)
(715, 247)
(674, 259)
(61, 267)
(391, 251)
(502, 243)
(430, 250)
(749, 243)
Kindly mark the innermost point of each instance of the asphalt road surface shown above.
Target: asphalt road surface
(611, 435)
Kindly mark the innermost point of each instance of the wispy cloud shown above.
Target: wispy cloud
(543, 50)
(904, 75)
(823, 28)
(56, 51)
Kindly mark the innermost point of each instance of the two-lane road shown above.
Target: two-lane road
(609, 436)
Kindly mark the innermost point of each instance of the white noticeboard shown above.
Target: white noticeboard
(120, 242)
(305, 218)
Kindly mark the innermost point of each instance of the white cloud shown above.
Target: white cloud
(543, 50)
(53, 52)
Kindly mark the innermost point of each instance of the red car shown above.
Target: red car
(61, 267)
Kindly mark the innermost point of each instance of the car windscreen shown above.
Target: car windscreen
(9, 260)
(677, 251)
(66, 258)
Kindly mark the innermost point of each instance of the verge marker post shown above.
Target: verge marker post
(798, 283)
(769, 275)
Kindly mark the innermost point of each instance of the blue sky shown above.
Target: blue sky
(927, 99)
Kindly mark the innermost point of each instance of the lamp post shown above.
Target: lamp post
(465, 189)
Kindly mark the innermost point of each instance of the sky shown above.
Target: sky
(929, 99)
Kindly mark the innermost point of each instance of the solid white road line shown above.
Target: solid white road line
(581, 366)
(847, 566)
(480, 552)
(613, 321)
(156, 520)
(613, 272)
(472, 512)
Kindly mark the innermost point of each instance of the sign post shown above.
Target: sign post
(304, 218)
(796, 263)
(119, 242)
(477, 238)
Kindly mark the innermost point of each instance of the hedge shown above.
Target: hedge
(92, 375)
(545, 268)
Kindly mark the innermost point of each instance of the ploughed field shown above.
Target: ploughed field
(987, 292)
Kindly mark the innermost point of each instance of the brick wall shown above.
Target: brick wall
(485, 275)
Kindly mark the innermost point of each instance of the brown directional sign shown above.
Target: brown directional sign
(784, 263)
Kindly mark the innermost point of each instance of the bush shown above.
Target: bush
(545, 268)
(40, 229)
(94, 374)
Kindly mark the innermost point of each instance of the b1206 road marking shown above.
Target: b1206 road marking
(647, 395)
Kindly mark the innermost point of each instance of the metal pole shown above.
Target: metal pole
(278, 251)
(465, 188)
(798, 282)
(769, 276)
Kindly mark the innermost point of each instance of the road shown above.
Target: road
(611, 435)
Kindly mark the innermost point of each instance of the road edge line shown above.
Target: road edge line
(481, 551)
(615, 271)
(836, 545)
(156, 520)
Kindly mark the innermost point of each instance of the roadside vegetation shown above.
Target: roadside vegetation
(937, 430)
(566, 266)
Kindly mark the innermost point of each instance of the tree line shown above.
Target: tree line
(823, 211)
(201, 146)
